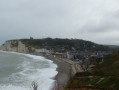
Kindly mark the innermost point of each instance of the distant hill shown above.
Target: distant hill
(69, 44)
(113, 46)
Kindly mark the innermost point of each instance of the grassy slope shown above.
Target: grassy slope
(105, 75)
(110, 65)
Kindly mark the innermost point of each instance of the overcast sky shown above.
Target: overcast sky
(94, 20)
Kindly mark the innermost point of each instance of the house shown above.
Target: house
(60, 55)
(44, 51)
(70, 55)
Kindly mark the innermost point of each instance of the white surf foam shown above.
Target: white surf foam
(44, 77)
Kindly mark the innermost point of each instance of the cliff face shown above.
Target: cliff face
(15, 46)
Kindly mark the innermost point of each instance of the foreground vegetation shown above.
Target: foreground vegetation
(109, 66)
(93, 81)
(104, 76)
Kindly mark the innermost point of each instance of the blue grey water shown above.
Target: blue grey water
(18, 71)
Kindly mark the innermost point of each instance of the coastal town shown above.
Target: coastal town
(87, 59)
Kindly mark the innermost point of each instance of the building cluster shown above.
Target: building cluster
(88, 59)
(74, 55)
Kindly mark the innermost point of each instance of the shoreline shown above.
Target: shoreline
(31, 55)
(64, 73)
(64, 69)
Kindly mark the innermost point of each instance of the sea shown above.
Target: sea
(18, 71)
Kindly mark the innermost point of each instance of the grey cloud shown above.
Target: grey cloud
(98, 28)
(63, 19)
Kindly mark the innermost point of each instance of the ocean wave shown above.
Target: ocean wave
(33, 68)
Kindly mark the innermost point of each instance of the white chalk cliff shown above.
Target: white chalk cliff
(15, 46)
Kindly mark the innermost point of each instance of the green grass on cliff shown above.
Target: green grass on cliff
(104, 75)
(103, 81)
(110, 65)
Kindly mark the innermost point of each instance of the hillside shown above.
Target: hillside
(104, 76)
(113, 46)
(110, 65)
(68, 44)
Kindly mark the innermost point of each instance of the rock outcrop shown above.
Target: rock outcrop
(16, 46)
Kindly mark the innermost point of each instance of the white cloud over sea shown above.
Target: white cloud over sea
(94, 20)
